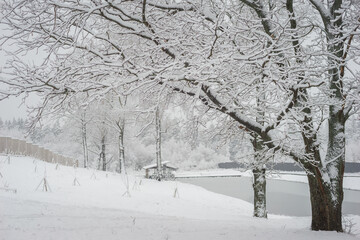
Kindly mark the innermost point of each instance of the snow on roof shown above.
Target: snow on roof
(164, 164)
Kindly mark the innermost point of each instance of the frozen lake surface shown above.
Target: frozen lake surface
(283, 197)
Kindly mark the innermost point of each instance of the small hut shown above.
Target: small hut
(167, 170)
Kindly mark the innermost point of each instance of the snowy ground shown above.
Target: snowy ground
(98, 209)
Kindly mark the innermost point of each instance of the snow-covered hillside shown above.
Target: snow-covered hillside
(100, 208)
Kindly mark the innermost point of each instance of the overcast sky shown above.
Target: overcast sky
(9, 108)
(12, 108)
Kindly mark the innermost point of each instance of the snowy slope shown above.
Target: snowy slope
(97, 208)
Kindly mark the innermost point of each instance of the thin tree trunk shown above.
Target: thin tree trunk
(158, 144)
(84, 141)
(121, 148)
(102, 154)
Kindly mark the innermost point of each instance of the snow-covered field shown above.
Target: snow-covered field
(100, 208)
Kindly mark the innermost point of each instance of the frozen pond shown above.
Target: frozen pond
(283, 197)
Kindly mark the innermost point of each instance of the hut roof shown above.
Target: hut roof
(163, 164)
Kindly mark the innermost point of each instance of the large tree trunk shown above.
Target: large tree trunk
(326, 186)
(326, 176)
(326, 181)
(259, 179)
(259, 186)
(325, 204)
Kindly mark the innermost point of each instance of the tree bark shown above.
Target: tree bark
(121, 150)
(259, 179)
(326, 183)
(102, 154)
(259, 186)
(325, 177)
(158, 144)
(326, 204)
(84, 141)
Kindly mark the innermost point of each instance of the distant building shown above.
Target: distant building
(167, 170)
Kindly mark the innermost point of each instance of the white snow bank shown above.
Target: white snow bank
(97, 209)
(106, 190)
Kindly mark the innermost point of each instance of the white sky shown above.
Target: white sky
(13, 107)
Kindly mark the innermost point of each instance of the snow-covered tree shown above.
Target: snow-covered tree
(292, 54)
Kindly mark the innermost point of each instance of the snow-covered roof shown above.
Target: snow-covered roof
(164, 164)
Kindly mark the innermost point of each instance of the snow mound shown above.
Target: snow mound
(89, 204)
(80, 187)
